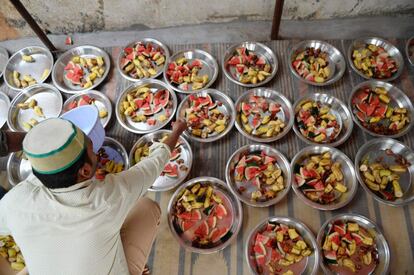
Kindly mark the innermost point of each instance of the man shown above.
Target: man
(66, 222)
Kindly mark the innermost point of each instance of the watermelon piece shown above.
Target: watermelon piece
(148, 112)
(72, 105)
(151, 122)
(358, 238)
(149, 98)
(76, 79)
(240, 169)
(145, 106)
(361, 116)
(240, 68)
(260, 259)
(334, 238)
(68, 40)
(256, 121)
(235, 60)
(131, 56)
(82, 102)
(251, 172)
(161, 97)
(156, 109)
(246, 108)
(381, 110)
(275, 255)
(215, 235)
(347, 238)
(340, 229)
(259, 248)
(174, 172)
(168, 168)
(175, 154)
(187, 224)
(374, 100)
(260, 238)
(220, 211)
(202, 231)
(196, 63)
(253, 158)
(362, 107)
(139, 102)
(299, 180)
(193, 215)
(269, 159)
(261, 61)
(212, 221)
(69, 66)
(330, 257)
(370, 109)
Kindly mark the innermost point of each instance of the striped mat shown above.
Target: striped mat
(167, 257)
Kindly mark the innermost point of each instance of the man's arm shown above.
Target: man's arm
(141, 176)
(10, 142)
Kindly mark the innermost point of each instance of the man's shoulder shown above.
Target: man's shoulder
(18, 192)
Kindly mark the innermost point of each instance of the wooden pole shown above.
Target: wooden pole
(277, 16)
(32, 23)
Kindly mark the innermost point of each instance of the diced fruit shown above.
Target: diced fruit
(221, 211)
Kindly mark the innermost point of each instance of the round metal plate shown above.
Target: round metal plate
(47, 97)
(312, 261)
(227, 108)
(165, 183)
(210, 67)
(390, 48)
(237, 212)
(348, 172)
(58, 74)
(338, 109)
(375, 149)
(336, 60)
(260, 50)
(281, 163)
(409, 50)
(142, 127)
(4, 108)
(101, 101)
(371, 227)
(43, 60)
(397, 99)
(285, 114)
(154, 42)
(18, 168)
(4, 57)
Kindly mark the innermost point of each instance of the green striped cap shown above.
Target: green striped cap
(53, 145)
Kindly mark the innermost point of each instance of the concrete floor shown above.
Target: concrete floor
(383, 26)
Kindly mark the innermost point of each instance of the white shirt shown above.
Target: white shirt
(76, 230)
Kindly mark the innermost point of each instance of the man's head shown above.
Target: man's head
(61, 154)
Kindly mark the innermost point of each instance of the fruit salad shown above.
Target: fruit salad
(383, 174)
(186, 74)
(174, 166)
(87, 100)
(258, 174)
(107, 164)
(37, 110)
(313, 65)
(374, 62)
(84, 71)
(279, 249)
(348, 246)
(249, 67)
(376, 112)
(316, 121)
(11, 252)
(146, 105)
(205, 117)
(261, 117)
(320, 178)
(203, 216)
(143, 60)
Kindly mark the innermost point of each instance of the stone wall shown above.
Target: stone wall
(64, 16)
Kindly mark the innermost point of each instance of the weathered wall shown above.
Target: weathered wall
(64, 16)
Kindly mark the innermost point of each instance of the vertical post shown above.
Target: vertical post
(277, 16)
(32, 23)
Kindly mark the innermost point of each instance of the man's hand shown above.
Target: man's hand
(179, 127)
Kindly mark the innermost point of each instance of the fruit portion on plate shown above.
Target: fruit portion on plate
(37, 110)
(349, 247)
(383, 174)
(173, 168)
(142, 60)
(375, 110)
(147, 105)
(317, 122)
(202, 215)
(374, 62)
(84, 71)
(250, 68)
(261, 117)
(186, 74)
(205, 117)
(279, 249)
(259, 175)
(87, 100)
(313, 65)
(320, 178)
(108, 162)
(11, 252)
(24, 81)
